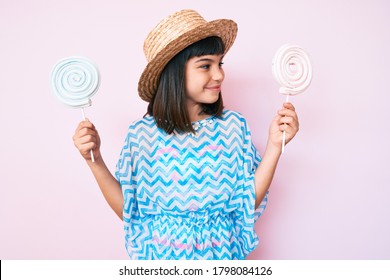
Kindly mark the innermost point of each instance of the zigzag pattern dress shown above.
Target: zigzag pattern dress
(190, 196)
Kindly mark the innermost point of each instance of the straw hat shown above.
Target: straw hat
(174, 34)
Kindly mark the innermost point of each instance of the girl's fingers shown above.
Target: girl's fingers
(87, 139)
(288, 105)
(85, 124)
(287, 112)
(87, 131)
(290, 121)
(86, 144)
(83, 131)
(287, 120)
(85, 135)
(286, 127)
(85, 149)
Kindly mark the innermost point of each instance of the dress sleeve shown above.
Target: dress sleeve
(256, 159)
(252, 160)
(246, 216)
(124, 175)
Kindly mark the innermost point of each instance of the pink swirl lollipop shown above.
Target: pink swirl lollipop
(292, 69)
(74, 80)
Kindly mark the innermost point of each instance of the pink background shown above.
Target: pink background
(330, 198)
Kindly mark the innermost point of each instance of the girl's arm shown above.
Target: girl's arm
(86, 138)
(287, 120)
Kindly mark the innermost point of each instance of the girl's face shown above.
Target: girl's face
(203, 79)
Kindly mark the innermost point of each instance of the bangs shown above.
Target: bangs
(208, 46)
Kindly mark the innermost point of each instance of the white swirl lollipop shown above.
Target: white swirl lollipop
(74, 80)
(292, 69)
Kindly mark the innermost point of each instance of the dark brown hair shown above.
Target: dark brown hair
(168, 105)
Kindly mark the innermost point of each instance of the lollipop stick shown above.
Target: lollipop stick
(83, 112)
(284, 132)
(84, 118)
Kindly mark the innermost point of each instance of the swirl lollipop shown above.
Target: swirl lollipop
(292, 69)
(74, 80)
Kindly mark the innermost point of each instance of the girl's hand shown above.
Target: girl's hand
(286, 120)
(86, 138)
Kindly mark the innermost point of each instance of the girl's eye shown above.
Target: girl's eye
(206, 66)
(220, 64)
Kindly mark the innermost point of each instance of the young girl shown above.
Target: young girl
(189, 182)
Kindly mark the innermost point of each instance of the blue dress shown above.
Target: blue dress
(190, 196)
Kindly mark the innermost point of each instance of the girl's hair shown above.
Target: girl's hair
(168, 105)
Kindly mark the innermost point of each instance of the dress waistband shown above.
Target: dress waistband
(191, 218)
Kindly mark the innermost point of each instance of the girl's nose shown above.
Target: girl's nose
(218, 74)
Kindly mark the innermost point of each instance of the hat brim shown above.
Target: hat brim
(224, 28)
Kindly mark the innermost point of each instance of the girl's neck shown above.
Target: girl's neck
(195, 113)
